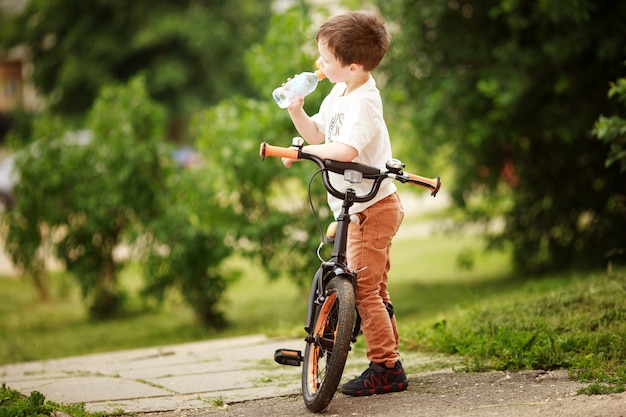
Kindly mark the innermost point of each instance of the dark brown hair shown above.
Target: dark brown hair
(356, 37)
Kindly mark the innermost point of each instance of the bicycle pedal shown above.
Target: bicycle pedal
(288, 357)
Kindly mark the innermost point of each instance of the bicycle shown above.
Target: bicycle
(332, 322)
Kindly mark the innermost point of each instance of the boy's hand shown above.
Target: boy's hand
(287, 162)
(296, 104)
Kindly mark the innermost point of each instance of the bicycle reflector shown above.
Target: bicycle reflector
(352, 176)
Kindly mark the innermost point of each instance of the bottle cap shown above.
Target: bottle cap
(318, 73)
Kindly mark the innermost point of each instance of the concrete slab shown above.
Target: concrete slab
(79, 389)
(162, 378)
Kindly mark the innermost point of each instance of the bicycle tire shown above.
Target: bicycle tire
(326, 352)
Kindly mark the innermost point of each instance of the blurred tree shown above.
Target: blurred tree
(84, 193)
(191, 51)
(273, 222)
(515, 86)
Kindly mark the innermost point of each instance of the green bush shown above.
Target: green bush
(14, 404)
(513, 88)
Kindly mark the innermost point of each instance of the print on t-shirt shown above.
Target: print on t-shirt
(334, 128)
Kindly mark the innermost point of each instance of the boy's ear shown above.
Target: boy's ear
(355, 68)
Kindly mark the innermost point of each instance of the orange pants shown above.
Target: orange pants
(369, 245)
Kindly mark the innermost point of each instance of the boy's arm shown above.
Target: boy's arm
(336, 151)
(303, 123)
(309, 131)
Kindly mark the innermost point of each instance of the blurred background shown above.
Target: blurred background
(136, 210)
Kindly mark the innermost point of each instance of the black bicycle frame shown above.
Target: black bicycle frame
(337, 266)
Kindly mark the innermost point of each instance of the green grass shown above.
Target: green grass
(576, 322)
(33, 331)
(428, 275)
(422, 286)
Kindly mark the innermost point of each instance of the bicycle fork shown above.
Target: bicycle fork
(317, 296)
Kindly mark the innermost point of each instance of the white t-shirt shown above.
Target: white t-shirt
(357, 120)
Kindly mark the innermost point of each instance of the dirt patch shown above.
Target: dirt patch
(446, 393)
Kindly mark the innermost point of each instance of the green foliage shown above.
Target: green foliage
(601, 389)
(86, 196)
(612, 130)
(14, 404)
(118, 188)
(269, 216)
(514, 88)
(288, 48)
(189, 243)
(573, 323)
(271, 220)
(83, 194)
(191, 51)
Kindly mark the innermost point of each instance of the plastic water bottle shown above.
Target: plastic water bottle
(299, 86)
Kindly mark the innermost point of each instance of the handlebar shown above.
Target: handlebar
(353, 171)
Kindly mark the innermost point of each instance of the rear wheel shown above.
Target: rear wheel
(326, 352)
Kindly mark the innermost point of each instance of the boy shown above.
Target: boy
(350, 127)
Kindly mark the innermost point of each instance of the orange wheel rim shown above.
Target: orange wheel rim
(320, 327)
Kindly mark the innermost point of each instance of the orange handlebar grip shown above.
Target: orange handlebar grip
(278, 151)
(431, 183)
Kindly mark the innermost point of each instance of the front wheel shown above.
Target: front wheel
(327, 350)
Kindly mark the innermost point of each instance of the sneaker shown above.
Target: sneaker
(377, 379)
